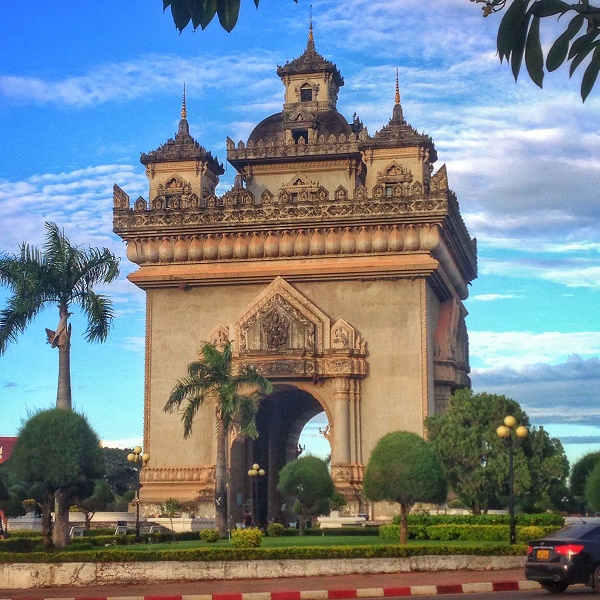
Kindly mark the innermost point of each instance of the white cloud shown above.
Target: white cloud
(491, 297)
(518, 349)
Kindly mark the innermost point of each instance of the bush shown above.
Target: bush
(250, 537)
(210, 535)
(217, 553)
(541, 519)
(275, 530)
(468, 533)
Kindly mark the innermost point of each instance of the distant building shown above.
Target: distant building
(337, 265)
(6, 447)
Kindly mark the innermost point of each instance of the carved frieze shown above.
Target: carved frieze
(281, 320)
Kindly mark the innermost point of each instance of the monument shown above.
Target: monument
(337, 265)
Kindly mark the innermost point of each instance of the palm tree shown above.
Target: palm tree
(235, 398)
(62, 274)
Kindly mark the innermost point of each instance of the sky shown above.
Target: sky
(85, 88)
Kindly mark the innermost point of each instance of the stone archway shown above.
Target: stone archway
(280, 420)
(315, 366)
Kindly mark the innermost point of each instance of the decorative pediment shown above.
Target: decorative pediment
(439, 181)
(218, 336)
(302, 115)
(395, 173)
(281, 321)
(302, 189)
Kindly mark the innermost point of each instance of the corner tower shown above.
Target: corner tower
(337, 265)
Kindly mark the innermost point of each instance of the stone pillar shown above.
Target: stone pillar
(341, 425)
(272, 475)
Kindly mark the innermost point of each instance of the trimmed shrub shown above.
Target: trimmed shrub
(251, 537)
(210, 535)
(275, 530)
(215, 553)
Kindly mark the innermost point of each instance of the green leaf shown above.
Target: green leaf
(581, 43)
(579, 58)
(547, 8)
(558, 52)
(534, 59)
(203, 12)
(508, 27)
(181, 13)
(228, 11)
(591, 74)
(518, 48)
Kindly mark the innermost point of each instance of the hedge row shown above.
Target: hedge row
(540, 519)
(237, 554)
(468, 533)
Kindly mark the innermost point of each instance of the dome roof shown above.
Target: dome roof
(327, 123)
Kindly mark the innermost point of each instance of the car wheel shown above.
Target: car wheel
(596, 580)
(555, 587)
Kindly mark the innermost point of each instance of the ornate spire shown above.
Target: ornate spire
(310, 45)
(184, 128)
(397, 116)
(311, 61)
(183, 107)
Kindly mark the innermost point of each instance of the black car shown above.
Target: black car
(567, 556)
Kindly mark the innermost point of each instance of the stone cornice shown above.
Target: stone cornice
(129, 223)
(368, 267)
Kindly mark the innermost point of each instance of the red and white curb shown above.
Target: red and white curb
(341, 594)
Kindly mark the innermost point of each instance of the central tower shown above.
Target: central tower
(337, 265)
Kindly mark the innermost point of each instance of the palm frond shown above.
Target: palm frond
(246, 416)
(99, 312)
(15, 318)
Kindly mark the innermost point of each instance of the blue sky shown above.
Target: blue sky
(84, 89)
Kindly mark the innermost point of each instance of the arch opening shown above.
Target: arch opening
(281, 419)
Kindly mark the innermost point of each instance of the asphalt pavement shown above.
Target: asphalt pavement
(296, 588)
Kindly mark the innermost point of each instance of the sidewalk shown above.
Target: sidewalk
(298, 588)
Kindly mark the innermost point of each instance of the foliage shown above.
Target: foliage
(470, 533)
(70, 455)
(519, 37)
(201, 12)
(101, 498)
(307, 479)
(337, 501)
(580, 472)
(404, 469)
(171, 508)
(210, 535)
(62, 274)
(120, 474)
(220, 553)
(538, 519)
(235, 398)
(476, 461)
(275, 530)
(592, 488)
(250, 537)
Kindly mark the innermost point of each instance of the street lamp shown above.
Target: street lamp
(140, 460)
(255, 472)
(505, 432)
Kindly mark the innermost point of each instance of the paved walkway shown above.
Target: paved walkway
(297, 588)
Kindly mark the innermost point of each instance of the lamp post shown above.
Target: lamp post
(505, 432)
(140, 460)
(255, 472)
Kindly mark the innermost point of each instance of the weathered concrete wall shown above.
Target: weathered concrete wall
(15, 576)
